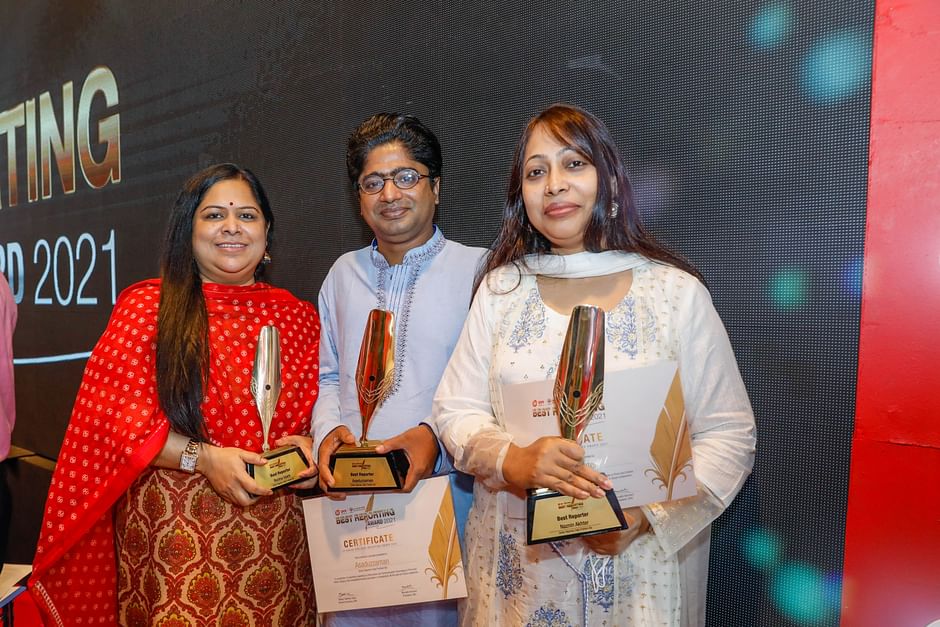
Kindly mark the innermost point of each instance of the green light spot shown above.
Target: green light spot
(800, 593)
(838, 66)
(770, 25)
(761, 548)
(788, 288)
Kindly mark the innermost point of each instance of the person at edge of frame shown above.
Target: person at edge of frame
(7, 405)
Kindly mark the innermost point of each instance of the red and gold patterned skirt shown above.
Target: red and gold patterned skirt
(186, 557)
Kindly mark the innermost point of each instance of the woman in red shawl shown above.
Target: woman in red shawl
(151, 517)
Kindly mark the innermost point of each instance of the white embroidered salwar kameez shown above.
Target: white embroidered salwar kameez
(429, 293)
(514, 337)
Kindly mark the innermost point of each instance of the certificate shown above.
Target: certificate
(376, 550)
(638, 437)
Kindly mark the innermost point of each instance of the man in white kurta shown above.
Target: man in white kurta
(426, 281)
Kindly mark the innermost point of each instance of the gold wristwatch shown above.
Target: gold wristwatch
(189, 457)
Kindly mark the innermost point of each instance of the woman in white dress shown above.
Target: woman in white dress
(571, 235)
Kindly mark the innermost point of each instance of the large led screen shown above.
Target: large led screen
(744, 126)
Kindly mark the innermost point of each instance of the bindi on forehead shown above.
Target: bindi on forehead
(231, 204)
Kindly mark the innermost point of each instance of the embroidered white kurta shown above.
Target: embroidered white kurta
(429, 293)
(513, 337)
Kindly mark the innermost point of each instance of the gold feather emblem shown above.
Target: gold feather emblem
(444, 549)
(671, 449)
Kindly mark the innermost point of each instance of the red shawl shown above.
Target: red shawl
(117, 429)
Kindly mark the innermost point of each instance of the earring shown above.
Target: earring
(266, 259)
(614, 209)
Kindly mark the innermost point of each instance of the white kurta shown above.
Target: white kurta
(512, 337)
(429, 293)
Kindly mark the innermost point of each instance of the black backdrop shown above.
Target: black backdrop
(744, 126)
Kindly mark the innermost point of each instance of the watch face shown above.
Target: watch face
(189, 456)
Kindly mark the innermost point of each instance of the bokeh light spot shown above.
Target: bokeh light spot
(654, 189)
(788, 288)
(800, 593)
(852, 277)
(832, 590)
(761, 548)
(770, 25)
(836, 67)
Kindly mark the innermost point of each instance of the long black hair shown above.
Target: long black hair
(624, 231)
(183, 322)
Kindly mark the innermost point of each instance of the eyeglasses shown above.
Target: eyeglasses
(403, 179)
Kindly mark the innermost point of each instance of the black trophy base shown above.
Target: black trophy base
(284, 464)
(359, 468)
(552, 516)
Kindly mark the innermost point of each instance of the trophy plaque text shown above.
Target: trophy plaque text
(284, 462)
(579, 388)
(358, 467)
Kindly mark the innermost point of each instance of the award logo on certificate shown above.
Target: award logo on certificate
(285, 462)
(358, 467)
(579, 388)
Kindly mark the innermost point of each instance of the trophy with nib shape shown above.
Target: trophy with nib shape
(285, 462)
(358, 467)
(579, 388)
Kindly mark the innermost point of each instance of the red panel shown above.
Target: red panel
(899, 377)
(892, 563)
(892, 543)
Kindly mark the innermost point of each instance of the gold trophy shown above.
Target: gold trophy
(358, 467)
(285, 462)
(579, 388)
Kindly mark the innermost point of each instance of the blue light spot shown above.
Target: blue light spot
(852, 277)
(654, 189)
(832, 590)
(761, 548)
(788, 288)
(799, 592)
(836, 67)
(770, 25)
